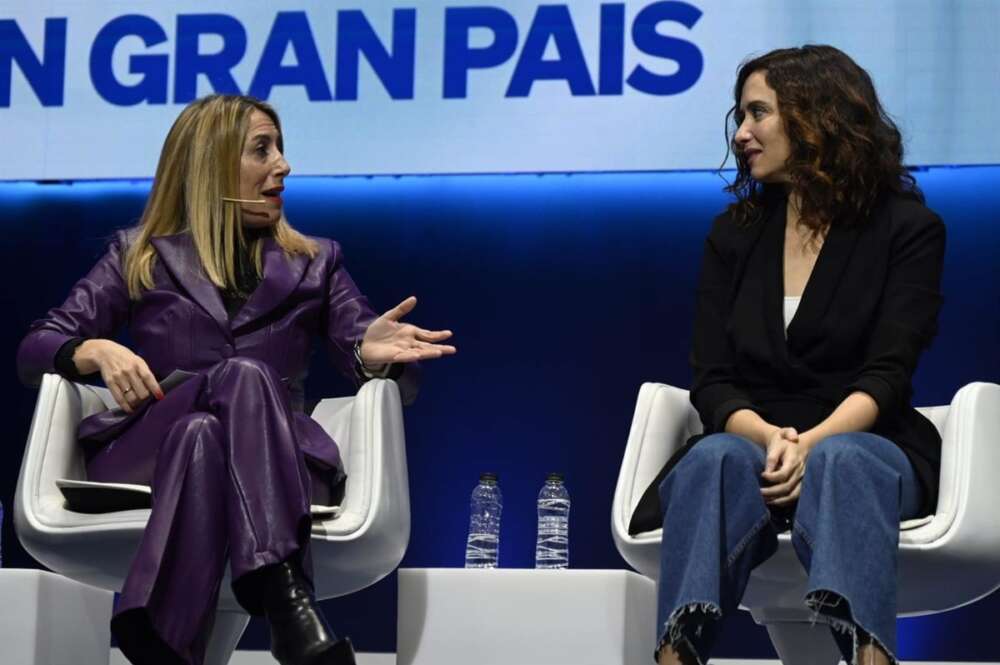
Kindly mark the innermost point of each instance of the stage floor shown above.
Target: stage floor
(264, 658)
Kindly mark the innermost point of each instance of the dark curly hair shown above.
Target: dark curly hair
(846, 152)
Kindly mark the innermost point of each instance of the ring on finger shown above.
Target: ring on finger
(127, 390)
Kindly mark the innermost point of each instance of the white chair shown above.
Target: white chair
(363, 543)
(945, 561)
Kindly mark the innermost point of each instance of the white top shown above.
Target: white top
(791, 305)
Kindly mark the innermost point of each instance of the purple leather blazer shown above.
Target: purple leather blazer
(181, 323)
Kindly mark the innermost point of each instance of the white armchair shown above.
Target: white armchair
(945, 561)
(360, 545)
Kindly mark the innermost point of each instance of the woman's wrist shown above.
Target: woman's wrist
(808, 439)
(748, 424)
(369, 369)
(85, 356)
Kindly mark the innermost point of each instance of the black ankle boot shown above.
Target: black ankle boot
(342, 653)
(299, 633)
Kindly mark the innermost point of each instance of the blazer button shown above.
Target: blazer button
(226, 351)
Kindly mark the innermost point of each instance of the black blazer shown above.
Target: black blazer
(868, 311)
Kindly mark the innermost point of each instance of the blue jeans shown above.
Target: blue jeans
(845, 531)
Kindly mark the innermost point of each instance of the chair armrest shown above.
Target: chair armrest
(966, 519)
(368, 539)
(52, 450)
(334, 416)
(95, 549)
(663, 421)
(368, 428)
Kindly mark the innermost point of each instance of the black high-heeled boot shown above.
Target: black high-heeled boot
(342, 653)
(299, 632)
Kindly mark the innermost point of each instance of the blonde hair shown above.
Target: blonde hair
(199, 164)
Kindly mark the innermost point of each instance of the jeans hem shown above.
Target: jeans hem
(673, 631)
(821, 601)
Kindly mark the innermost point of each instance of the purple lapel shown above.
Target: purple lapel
(181, 258)
(281, 275)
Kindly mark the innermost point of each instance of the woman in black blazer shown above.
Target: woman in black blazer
(820, 287)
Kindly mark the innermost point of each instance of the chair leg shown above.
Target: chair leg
(226, 633)
(803, 643)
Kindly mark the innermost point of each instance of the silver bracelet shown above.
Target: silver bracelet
(358, 359)
(366, 371)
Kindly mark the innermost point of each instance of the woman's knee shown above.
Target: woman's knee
(718, 448)
(242, 366)
(840, 450)
(200, 423)
(200, 431)
(851, 457)
(722, 453)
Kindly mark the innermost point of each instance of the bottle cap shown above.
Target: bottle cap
(487, 477)
(555, 477)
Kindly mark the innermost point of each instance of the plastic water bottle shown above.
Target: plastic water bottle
(552, 546)
(484, 523)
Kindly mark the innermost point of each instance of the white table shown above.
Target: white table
(48, 619)
(453, 616)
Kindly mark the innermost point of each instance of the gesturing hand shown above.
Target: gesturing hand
(786, 464)
(125, 374)
(387, 340)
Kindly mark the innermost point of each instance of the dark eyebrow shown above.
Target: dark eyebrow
(760, 103)
(266, 138)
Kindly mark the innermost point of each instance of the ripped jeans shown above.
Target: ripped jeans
(845, 531)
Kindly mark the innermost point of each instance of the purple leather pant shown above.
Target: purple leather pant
(230, 483)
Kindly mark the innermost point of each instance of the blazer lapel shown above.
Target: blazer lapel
(772, 244)
(823, 282)
(281, 275)
(181, 259)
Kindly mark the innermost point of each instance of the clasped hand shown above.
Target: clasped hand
(388, 340)
(785, 467)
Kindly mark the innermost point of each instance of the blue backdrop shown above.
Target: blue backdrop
(565, 293)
